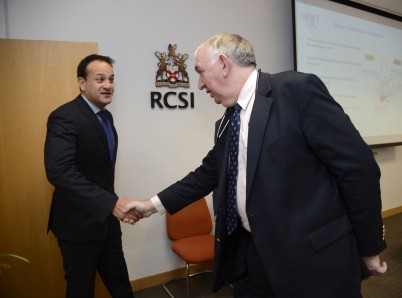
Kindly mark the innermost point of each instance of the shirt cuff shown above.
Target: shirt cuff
(158, 205)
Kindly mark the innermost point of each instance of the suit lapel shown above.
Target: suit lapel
(222, 145)
(257, 127)
(93, 118)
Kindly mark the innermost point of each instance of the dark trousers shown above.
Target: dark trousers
(81, 260)
(255, 283)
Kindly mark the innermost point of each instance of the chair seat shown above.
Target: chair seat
(190, 230)
(196, 249)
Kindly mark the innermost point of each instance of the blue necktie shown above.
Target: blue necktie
(231, 209)
(109, 132)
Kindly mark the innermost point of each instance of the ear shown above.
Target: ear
(81, 83)
(226, 64)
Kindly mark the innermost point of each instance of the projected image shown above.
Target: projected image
(359, 60)
(386, 86)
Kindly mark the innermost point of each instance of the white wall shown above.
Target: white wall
(158, 147)
(3, 22)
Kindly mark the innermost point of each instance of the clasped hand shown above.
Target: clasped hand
(131, 211)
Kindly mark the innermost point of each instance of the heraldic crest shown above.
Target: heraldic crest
(171, 69)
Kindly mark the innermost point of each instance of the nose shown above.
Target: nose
(201, 84)
(108, 84)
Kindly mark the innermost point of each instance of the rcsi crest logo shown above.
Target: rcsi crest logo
(171, 69)
(172, 73)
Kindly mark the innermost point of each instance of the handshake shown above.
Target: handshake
(130, 211)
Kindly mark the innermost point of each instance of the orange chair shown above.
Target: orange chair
(190, 230)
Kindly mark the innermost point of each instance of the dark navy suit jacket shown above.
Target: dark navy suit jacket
(78, 164)
(313, 192)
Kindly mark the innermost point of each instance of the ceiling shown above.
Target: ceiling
(391, 6)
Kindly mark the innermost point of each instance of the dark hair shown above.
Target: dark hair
(82, 66)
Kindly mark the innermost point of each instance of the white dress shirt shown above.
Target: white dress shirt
(246, 101)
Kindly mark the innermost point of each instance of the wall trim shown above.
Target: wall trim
(161, 278)
(392, 211)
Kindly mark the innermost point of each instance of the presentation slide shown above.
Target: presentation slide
(359, 60)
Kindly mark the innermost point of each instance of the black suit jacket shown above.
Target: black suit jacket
(78, 164)
(313, 192)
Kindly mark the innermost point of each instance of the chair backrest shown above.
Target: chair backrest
(192, 220)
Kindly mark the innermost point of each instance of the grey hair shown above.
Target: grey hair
(234, 46)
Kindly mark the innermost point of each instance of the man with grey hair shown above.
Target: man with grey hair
(296, 195)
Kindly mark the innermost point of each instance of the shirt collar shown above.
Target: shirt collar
(247, 91)
(94, 108)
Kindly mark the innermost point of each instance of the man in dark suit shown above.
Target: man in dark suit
(80, 161)
(307, 220)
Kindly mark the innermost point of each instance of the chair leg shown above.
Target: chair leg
(187, 277)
